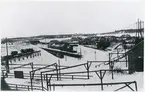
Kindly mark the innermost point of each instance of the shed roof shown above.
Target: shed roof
(139, 45)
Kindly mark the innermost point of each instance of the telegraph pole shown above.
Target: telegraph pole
(7, 61)
(140, 29)
(138, 22)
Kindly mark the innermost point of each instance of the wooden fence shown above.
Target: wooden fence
(19, 87)
(99, 73)
(71, 75)
(21, 56)
(127, 84)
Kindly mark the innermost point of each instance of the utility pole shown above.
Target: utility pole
(7, 61)
(140, 29)
(136, 29)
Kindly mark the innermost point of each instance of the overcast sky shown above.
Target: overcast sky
(45, 18)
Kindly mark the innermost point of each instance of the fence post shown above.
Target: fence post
(53, 87)
(28, 88)
(109, 61)
(50, 85)
(56, 71)
(126, 57)
(101, 77)
(31, 81)
(41, 81)
(32, 66)
(72, 77)
(112, 75)
(16, 87)
(47, 82)
(88, 70)
(135, 85)
(112, 65)
(44, 77)
(59, 69)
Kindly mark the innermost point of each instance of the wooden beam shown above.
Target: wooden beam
(129, 86)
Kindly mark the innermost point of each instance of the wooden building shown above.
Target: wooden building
(136, 58)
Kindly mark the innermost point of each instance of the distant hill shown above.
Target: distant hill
(131, 32)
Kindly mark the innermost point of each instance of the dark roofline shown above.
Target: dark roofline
(138, 45)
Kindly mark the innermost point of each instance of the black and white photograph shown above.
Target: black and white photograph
(72, 45)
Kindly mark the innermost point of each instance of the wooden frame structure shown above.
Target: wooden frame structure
(33, 72)
(127, 84)
(44, 76)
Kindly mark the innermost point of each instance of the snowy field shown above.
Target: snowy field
(59, 39)
(88, 54)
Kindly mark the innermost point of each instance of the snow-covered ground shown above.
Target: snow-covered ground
(89, 54)
(59, 39)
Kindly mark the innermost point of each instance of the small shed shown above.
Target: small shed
(136, 58)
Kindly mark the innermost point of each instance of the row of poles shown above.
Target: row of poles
(140, 25)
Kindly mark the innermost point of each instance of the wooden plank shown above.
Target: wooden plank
(86, 71)
(94, 84)
(20, 66)
(44, 67)
(65, 68)
(129, 86)
(120, 88)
